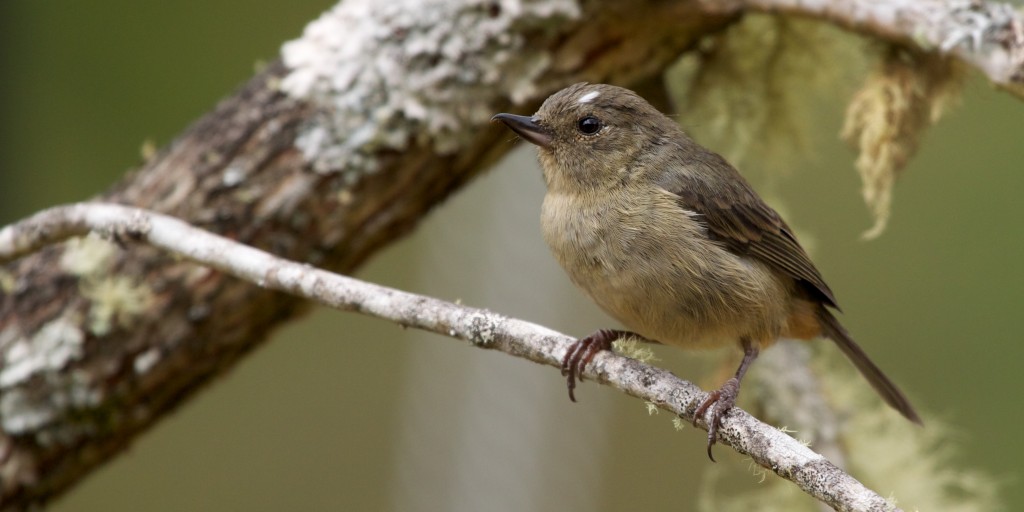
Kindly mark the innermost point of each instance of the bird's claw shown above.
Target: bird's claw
(722, 399)
(581, 353)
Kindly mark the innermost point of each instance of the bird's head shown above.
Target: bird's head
(594, 135)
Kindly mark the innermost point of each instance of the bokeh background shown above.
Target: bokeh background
(344, 412)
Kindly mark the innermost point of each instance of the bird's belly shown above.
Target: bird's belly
(672, 285)
(688, 311)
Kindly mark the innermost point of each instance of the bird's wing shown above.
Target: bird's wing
(741, 221)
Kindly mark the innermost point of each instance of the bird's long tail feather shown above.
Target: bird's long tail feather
(885, 387)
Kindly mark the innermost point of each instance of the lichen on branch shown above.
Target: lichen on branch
(750, 91)
(886, 119)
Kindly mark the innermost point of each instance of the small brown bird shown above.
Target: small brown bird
(668, 238)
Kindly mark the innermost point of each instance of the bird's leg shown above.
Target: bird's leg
(583, 351)
(725, 397)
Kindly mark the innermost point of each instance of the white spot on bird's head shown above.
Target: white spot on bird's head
(588, 97)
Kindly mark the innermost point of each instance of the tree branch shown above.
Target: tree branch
(987, 36)
(766, 445)
(371, 118)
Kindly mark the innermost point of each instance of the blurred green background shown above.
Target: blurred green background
(345, 412)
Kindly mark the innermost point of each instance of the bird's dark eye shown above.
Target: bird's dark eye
(589, 125)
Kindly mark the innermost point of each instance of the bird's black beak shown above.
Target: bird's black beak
(527, 128)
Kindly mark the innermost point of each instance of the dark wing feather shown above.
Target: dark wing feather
(740, 220)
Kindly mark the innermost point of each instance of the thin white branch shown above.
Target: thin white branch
(765, 444)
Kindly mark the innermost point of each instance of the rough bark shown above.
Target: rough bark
(323, 157)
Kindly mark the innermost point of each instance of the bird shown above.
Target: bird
(669, 239)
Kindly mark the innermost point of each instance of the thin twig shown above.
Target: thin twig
(765, 444)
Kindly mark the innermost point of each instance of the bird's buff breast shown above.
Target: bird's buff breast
(651, 266)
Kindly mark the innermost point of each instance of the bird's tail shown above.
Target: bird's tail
(885, 387)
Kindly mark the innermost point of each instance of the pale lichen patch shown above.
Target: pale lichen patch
(148, 150)
(233, 176)
(19, 413)
(634, 348)
(86, 256)
(652, 408)
(887, 117)
(481, 328)
(115, 301)
(146, 360)
(50, 349)
(7, 281)
(433, 87)
(25, 407)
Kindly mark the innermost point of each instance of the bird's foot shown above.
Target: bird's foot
(722, 399)
(582, 352)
